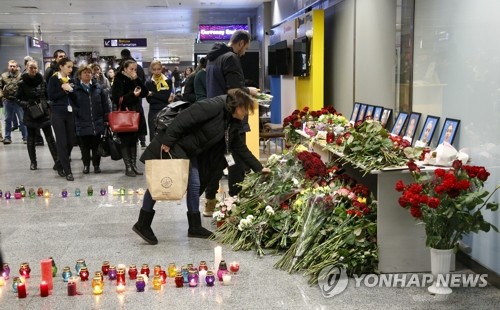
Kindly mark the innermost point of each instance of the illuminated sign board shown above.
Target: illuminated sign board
(219, 31)
(141, 42)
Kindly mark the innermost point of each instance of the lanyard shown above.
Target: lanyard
(226, 135)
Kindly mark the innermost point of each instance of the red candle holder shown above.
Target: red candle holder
(157, 270)
(105, 268)
(25, 270)
(234, 267)
(84, 274)
(163, 277)
(203, 266)
(179, 280)
(44, 289)
(132, 272)
(21, 290)
(145, 269)
(120, 277)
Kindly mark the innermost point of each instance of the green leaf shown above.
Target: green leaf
(357, 231)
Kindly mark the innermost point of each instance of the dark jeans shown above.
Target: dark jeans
(32, 137)
(88, 144)
(64, 129)
(193, 191)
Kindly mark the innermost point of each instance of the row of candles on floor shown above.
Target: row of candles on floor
(189, 275)
(20, 192)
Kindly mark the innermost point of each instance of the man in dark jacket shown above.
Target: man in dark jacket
(224, 72)
(59, 54)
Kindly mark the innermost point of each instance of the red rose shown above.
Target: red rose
(439, 172)
(416, 212)
(433, 202)
(483, 174)
(413, 167)
(457, 164)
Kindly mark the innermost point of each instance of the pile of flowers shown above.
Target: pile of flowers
(448, 202)
(306, 208)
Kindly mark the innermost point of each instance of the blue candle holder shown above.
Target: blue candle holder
(66, 274)
(77, 192)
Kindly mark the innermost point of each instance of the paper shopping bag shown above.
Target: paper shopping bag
(167, 179)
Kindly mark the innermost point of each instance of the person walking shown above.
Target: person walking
(161, 94)
(200, 80)
(127, 93)
(32, 91)
(206, 133)
(8, 90)
(59, 88)
(91, 111)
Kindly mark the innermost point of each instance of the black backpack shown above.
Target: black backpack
(167, 115)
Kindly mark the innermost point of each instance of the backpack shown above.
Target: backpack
(167, 114)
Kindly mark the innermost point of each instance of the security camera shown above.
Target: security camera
(270, 32)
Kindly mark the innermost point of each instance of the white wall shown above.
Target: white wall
(457, 74)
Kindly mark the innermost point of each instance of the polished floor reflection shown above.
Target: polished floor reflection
(98, 228)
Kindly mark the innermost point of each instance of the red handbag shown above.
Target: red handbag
(123, 121)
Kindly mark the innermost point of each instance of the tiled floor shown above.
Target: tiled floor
(99, 228)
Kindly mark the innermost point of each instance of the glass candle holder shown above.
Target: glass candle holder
(103, 191)
(234, 267)
(99, 274)
(79, 264)
(172, 270)
(22, 190)
(130, 191)
(193, 278)
(66, 274)
(97, 286)
(203, 266)
(185, 273)
(7, 195)
(121, 191)
(132, 272)
(120, 276)
(112, 273)
(64, 193)
(1, 193)
(72, 286)
(190, 266)
(105, 267)
(44, 289)
(24, 270)
(145, 269)
(15, 283)
(21, 290)
(17, 193)
(222, 269)
(179, 280)
(210, 278)
(226, 279)
(140, 285)
(46, 193)
(157, 282)
(31, 193)
(202, 276)
(39, 191)
(6, 271)
(90, 191)
(84, 274)
(156, 270)
(163, 276)
(77, 192)
(54, 268)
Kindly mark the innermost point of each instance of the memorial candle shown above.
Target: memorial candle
(72, 291)
(140, 284)
(120, 276)
(132, 272)
(84, 274)
(218, 256)
(66, 274)
(157, 282)
(203, 275)
(2, 281)
(163, 276)
(145, 269)
(97, 286)
(6, 271)
(7, 195)
(179, 280)
(21, 290)
(44, 289)
(193, 278)
(172, 270)
(234, 267)
(112, 273)
(226, 279)
(105, 268)
(203, 266)
(46, 267)
(210, 278)
(15, 283)
(222, 269)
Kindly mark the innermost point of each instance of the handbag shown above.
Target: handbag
(35, 111)
(167, 179)
(107, 146)
(123, 121)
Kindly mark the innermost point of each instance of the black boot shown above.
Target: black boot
(51, 143)
(32, 152)
(143, 227)
(133, 160)
(126, 159)
(86, 169)
(195, 229)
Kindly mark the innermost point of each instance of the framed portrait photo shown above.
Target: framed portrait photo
(429, 129)
(386, 117)
(369, 111)
(377, 113)
(362, 112)
(355, 111)
(449, 130)
(399, 123)
(411, 128)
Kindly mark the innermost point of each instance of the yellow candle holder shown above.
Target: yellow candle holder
(157, 282)
(97, 285)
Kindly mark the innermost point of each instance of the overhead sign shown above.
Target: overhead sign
(141, 42)
(219, 31)
(36, 42)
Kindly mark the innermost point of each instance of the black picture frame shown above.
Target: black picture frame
(385, 118)
(362, 111)
(377, 113)
(399, 123)
(429, 128)
(369, 111)
(449, 130)
(355, 111)
(412, 126)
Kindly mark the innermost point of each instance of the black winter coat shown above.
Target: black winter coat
(200, 131)
(59, 99)
(159, 99)
(189, 94)
(123, 87)
(90, 109)
(32, 90)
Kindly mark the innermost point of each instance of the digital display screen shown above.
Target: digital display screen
(219, 32)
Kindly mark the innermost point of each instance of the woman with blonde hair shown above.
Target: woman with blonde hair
(161, 94)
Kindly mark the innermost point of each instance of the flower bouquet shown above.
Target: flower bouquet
(448, 202)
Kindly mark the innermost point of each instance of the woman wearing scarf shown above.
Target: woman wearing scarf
(129, 89)
(31, 91)
(91, 109)
(161, 94)
(59, 87)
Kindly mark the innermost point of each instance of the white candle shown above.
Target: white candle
(218, 256)
(203, 275)
(110, 189)
(226, 279)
